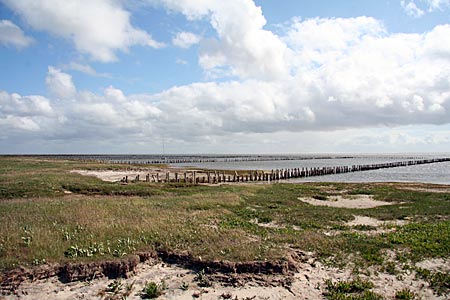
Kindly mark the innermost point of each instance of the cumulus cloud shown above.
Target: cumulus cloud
(185, 39)
(417, 9)
(242, 47)
(437, 4)
(24, 106)
(12, 35)
(411, 9)
(99, 28)
(73, 115)
(84, 68)
(373, 74)
(60, 84)
(24, 113)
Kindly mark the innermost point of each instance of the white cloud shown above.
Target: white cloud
(362, 77)
(84, 68)
(24, 105)
(24, 113)
(12, 35)
(324, 41)
(99, 28)
(416, 8)
(60, 84)
(242, 48)
(411, 9)
(185, 39)
(437, 4)
(181, 61)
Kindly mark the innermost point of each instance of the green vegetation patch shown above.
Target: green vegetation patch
(356, 289)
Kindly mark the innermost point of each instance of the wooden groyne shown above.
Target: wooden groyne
(196, 159)
(214, 177)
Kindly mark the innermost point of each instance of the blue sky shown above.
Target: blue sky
(238, 76)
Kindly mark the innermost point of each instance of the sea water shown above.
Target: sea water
(438, 173)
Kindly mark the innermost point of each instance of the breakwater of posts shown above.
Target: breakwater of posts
(215, 177)
(195, 159)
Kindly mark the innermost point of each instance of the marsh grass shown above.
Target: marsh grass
(40, 223)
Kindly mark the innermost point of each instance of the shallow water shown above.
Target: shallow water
(428, 173)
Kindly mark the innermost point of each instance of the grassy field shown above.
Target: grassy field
(48, 214)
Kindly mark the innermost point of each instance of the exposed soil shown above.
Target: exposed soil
(301, 276)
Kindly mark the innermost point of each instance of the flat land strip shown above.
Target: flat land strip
(226, 240)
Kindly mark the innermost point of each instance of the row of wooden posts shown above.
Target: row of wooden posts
(175, 160)
(213, 177)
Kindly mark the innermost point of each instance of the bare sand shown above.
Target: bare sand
(114, 176)
(353, 201)
(364, 220)
(117, 175)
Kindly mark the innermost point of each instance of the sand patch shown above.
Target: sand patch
(113, 176)
(350, 201)
(368, 221)
(271, 224)
(435, 264)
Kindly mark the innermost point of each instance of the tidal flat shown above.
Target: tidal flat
(64, 235)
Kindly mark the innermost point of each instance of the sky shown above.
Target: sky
(214, 76)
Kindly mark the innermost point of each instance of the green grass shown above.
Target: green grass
(153, 290)
(405, 294)
(41, 224)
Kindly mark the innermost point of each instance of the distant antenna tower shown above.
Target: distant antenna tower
(164, 147)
